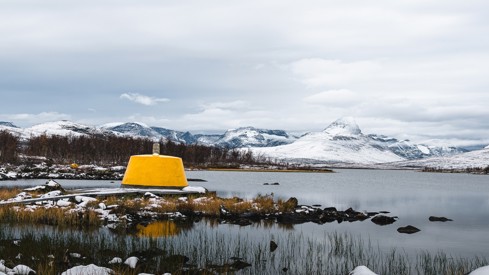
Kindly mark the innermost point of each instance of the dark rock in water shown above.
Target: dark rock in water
(330, 209)
(384, 212)
(242, 222)
(151, 253)
(408, 229)
(316, 205)
(273, 246)
(238, 265)
(439, 219)
(196, 180)
(383, 220)
(275, 183)
(285, 269)
(174, 262)
(266, 183)
(292, 218)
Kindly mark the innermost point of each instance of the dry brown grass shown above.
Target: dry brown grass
(50, 216)
(285, 206)
(7, 193)
(265, 204)
(210, 206)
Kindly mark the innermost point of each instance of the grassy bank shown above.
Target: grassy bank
(51, 251)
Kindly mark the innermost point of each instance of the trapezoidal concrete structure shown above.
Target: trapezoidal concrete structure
(155, 170)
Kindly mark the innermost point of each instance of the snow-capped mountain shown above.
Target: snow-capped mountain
(133, 129)
(254, 137)
(11, 128)
(137, 129)
(63, 128)
(7, 124)
(473, 159)
(60, 128)
(343, 142)
(340, 142)
(409, 150)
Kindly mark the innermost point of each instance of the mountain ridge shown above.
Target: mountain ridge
(341, 142)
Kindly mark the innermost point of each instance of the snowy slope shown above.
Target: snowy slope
(11, 128)
(135, 129)
(254, 137)
(62, 128)
(473, 159)
(340, 142)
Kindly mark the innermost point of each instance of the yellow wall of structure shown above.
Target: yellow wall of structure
(155, 171)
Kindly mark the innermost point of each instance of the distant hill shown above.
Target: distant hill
(342, 142)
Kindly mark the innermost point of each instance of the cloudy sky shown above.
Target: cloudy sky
(416, 69)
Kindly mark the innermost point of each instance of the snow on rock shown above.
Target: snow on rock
(88, 269)
(362, 270)
(63, 203)
(481, 271)
(52, 183)
(75, 255)
(22, 270)
(197, 189)
(51, 194)
(21, 196)
(150, 195)
(83, 200)
(131, 262)
(3, 268)
(115, 260)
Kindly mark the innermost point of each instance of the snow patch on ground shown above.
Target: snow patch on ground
(88, 269)
(131, 262)
(197, 189)
(362, 270)
(481, 271)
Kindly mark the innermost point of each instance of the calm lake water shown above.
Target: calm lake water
(411, 196)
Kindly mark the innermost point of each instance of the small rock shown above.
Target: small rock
(266, 183)
(273, 246)
(238, 265)
(383, 220)
(115, 260)
(275, 183)
(439, 219)
(408, 229)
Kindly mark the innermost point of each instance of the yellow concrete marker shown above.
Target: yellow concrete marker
(155, 171)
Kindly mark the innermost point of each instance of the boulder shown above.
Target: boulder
(439, 219)
(383, 220)
(273, 246)
(408, 229)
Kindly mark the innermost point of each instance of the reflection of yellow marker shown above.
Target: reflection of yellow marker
(157, 229)
(155, 171)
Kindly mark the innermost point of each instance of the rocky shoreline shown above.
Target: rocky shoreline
(133, 214)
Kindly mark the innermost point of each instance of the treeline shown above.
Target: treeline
(9, 145)
(468, 170)
(114, 150)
